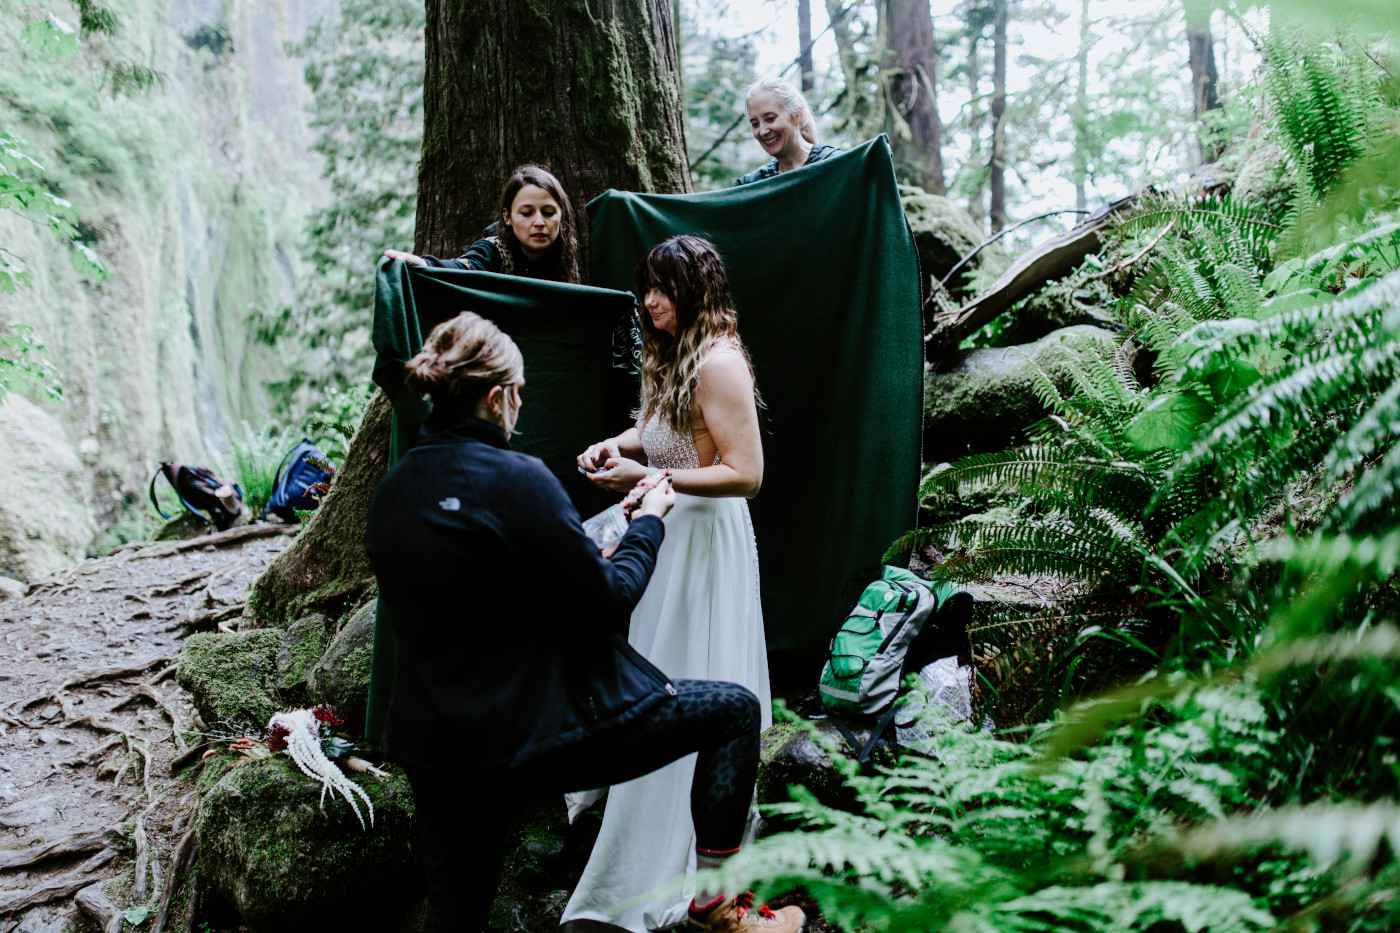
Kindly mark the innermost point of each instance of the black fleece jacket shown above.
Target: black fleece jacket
(509, 622)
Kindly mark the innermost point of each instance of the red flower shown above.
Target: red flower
(328, 714)
(277, 737)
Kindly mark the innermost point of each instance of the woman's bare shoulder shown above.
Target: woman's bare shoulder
(724, 364)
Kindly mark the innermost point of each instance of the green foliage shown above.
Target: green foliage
(23, 365)
(365, 71)
(256, 456)
(1226, 538)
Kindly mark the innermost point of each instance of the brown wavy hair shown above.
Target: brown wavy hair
(689, 271)
(560, 261)
(462, 360)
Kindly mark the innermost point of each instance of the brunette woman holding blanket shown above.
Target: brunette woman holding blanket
(506, 688)
(701, 616)
(535, 237)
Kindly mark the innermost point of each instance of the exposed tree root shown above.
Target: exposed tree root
(182, 584)
(180, 863)
(75, 844)
(144, 856)
(142, 690)
(83, 679)
(58, 888)
(221, 539)
(210, 618)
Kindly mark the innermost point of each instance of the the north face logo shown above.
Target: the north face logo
(450, 504)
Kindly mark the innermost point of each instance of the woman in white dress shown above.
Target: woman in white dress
(700, 616)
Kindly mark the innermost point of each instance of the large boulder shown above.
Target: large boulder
(46, 518)
(232, 677)
(986, 398)
(1057, 306)
(302, 646)
(1265, 179)
(797, 753)
(945, 234)
(341, 676)
(286, 861)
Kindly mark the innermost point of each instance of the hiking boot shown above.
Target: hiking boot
(740, 916)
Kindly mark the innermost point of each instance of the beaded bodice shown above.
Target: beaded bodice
(665, 449)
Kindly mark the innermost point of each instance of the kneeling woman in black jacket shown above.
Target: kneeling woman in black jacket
(514, 678)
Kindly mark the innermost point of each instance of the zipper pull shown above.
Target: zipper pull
(670, 689)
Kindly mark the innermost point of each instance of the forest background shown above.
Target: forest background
(226, 175)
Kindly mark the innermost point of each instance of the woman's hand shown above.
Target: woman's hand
(593, 458)
(409, 258)
(618, 474)
(657, 501)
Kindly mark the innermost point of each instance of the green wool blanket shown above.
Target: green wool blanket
(826, 282)
(825, 278)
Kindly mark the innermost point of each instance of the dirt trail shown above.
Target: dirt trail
(91, 720)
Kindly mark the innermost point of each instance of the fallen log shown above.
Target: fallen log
(1051, 260)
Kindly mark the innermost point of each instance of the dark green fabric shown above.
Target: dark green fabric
(826, 282)
(570, 400)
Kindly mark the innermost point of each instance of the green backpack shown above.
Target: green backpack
(871, 653)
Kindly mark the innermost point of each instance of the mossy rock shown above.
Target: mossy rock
(302, 646)
(944, 234)
(1056, 306)
(791, 753)
(233, 676)
(288, 863)
(986, 398)
(182, 527)
(341, 676)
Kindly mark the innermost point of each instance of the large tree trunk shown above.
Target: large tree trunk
(1203, 74)
(977, 118)
(997, 210)
(911, 119)
(1081, 113)
(589, 89)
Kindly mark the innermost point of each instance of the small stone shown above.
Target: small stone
(49, 712)
(11, 588)
(47, 736)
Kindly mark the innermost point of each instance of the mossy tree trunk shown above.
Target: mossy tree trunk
(588, 88)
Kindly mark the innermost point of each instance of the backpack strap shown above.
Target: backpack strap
(877, 732)
(154, 503)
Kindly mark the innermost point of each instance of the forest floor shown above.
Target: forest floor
(91, 722)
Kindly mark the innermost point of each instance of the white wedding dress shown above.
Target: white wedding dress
(699, 619)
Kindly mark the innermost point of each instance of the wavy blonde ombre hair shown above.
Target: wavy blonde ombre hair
(688, 270)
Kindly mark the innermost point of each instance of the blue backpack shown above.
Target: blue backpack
(292, 491)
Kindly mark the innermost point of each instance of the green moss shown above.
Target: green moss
(232, 677)
(287, 862)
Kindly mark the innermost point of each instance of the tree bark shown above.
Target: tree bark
(1204, 77)
(804, 45)
(1081, 113)
(977, 118)
(911, 116)
(588, 88)
(997, 180)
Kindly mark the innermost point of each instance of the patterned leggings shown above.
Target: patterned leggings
(463, 820)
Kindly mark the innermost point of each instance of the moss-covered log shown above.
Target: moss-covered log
(326, 567)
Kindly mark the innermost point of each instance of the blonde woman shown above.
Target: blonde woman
(700, 617)
(781, 121)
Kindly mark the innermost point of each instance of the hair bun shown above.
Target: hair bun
(426, 373)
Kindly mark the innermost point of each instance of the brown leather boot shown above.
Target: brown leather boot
(740, 916)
